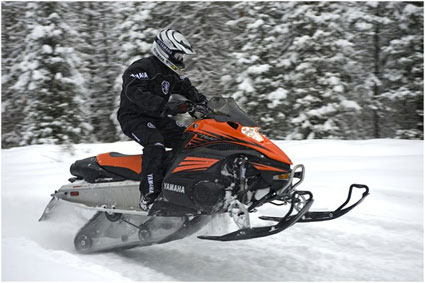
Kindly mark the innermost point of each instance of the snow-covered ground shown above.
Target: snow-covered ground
(380, 240)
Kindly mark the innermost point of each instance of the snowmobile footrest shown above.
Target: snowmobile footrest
(284, 222)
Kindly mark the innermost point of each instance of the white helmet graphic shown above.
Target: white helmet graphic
(170, 47)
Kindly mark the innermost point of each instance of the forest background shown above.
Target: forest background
(303, 70)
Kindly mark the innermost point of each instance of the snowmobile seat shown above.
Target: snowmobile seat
(108, 167)
(127, 166)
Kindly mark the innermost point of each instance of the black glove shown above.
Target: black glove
(176, 108)
(188, 90)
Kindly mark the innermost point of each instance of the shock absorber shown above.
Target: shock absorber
(241, 179)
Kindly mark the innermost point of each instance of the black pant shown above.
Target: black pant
(154, 135)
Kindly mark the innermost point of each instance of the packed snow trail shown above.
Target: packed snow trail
(380, 240)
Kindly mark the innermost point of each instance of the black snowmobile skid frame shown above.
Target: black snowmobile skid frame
(304, 198)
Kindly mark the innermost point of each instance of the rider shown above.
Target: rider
(147, 86)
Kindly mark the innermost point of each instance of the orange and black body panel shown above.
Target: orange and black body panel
(211, 132)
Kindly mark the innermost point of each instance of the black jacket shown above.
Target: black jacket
(146, 89)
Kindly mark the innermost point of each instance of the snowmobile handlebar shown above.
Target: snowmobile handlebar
(198, 110)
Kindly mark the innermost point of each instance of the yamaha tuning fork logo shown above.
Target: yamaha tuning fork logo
(165, 86)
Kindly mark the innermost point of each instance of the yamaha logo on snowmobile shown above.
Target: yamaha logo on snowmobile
(174, 188)
(165, 85)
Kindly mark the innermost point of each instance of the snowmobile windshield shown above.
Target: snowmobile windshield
(226, 110)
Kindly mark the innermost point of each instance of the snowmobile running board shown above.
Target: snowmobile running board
(288, 220)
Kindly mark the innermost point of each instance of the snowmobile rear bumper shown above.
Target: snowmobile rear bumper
(303, 215)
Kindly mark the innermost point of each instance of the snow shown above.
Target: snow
(258, 69)
(349, 104)
(380, 240)
(47, 49)
(276, 97)
(258, 23)
(246, 85)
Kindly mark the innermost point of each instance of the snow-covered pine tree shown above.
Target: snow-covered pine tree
(263, 39)
(49, 78)
(317, 71)
(370, 32)
(102, 65)
(13, 34)
(388, 39)
(403, 77)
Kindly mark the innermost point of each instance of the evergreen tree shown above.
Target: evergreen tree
(389, 52)
(103, 67)
(49, 79)
(317, 71)
(14, 29)
(264, 38)
(403, 76)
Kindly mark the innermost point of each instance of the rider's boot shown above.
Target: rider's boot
(152, 175)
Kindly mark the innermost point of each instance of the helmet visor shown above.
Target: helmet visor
(178, 57)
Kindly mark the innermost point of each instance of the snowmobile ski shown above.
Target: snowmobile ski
(284, 222)
(303, 216)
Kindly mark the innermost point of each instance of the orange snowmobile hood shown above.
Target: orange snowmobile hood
(210, 131)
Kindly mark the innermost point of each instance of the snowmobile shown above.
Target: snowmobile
(223, 166)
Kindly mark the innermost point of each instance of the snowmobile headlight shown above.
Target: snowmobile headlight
(253, 133)
(284, 176)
